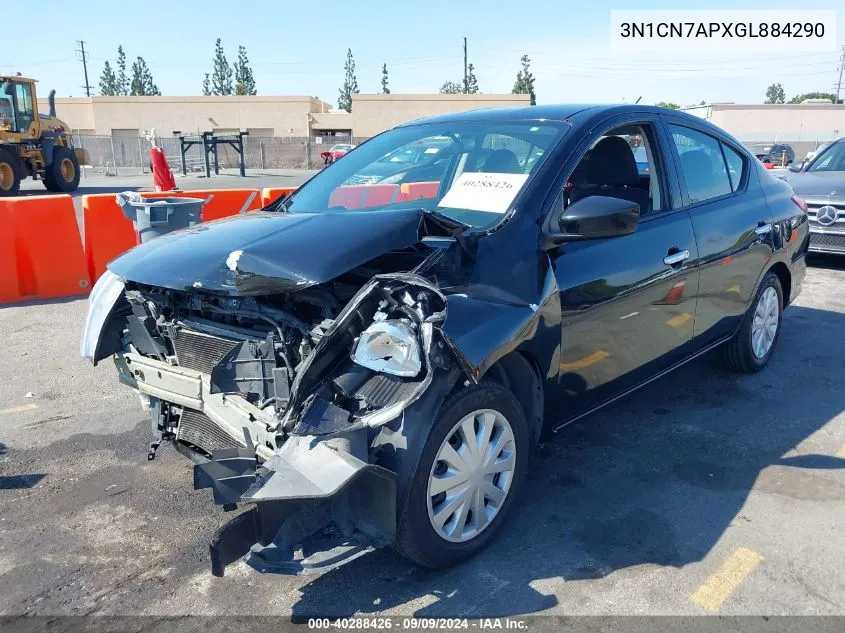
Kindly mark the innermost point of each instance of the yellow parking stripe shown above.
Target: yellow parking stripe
(841, 452)
(718, 587)
(679, 320)
(18, 409)
(581, 363)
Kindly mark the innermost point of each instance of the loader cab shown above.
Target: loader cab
(18, 107)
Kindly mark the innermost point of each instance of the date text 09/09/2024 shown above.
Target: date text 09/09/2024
(414, 624)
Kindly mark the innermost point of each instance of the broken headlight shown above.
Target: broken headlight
(390, 347)
(101, 301)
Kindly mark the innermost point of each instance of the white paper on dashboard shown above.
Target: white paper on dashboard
(479, 191)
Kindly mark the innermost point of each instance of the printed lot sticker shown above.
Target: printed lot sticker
(478, 191)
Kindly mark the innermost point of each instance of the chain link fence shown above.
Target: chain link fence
(130, 155)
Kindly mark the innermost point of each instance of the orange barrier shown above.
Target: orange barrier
(271, 194)
(222, 203)
(9, 286)
(349, 196)
(108, 233)
(416, 190)
(377, 195)
(49, 260)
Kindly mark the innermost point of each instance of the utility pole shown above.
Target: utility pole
(465, 65)
(84, 57)
(841, 66)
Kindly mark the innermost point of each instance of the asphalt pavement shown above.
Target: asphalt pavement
(704, 493)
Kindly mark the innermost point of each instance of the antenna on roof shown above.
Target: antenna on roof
(638, 100)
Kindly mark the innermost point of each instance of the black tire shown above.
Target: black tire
(416, 538)
(62, 175)
(738, 353)
(10, 173)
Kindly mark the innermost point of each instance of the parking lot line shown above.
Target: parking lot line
(841, 452)
(679, 320)
(23, 407)
(581, 363)
(713, 593)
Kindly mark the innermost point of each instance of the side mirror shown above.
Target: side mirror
(797, 167)
(592, 218)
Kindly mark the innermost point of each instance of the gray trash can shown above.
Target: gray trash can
(153, 217)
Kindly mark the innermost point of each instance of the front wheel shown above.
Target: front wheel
(751, 347)
(470, 473)
(62, 175)
(10, 173)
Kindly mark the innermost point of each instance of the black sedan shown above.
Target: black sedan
(370, 364)
(821, 183)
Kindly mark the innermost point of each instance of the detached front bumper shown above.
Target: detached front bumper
(315, 505)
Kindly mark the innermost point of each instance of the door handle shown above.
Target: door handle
(676, 258)
(763, 228)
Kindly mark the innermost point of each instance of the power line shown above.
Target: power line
(84, 57)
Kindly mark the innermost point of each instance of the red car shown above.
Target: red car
(335, 152)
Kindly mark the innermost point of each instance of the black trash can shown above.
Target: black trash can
(153, 217)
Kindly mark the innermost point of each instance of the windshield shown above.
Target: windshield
(831, 158)
(471, 172)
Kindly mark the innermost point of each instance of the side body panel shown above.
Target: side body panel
(734, 233)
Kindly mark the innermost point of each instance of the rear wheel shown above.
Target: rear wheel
(10, 173)
(63, 173)
(751, 347)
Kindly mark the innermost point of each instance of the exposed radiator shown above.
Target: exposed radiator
(200, 351)
(197, 429)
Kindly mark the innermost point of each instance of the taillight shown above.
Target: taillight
(799, 202)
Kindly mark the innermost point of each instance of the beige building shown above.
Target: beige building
(804, 125)
(260, 115)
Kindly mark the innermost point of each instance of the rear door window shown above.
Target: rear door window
(702, 164)
(736, 166)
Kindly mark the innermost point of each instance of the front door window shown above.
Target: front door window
(26, 110)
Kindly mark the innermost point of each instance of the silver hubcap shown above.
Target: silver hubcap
(471, 475)
(765, 323)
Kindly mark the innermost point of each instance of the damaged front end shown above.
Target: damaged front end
(330, 493)
(311, 415)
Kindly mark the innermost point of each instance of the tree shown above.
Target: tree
(815, 95)
(524, 84)
(221, 77)
(108, 81)
(471, 83)
(206, 85)
(142, 80)
(350, 84)
(451, 88)
(122, 77)
(774, 94)
(668, 104)
(384, 89)
(244, 80)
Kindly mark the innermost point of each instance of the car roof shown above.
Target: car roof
(561, 112)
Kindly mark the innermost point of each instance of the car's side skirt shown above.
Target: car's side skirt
(658, 375)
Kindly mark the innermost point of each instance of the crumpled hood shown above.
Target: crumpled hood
(267, 252)
(818, 184)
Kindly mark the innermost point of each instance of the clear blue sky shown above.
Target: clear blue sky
(299, 48)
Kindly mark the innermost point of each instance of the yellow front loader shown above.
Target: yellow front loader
(33, 144)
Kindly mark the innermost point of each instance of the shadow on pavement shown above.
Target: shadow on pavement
(831, 262)
(13, 482)
(655, 479)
